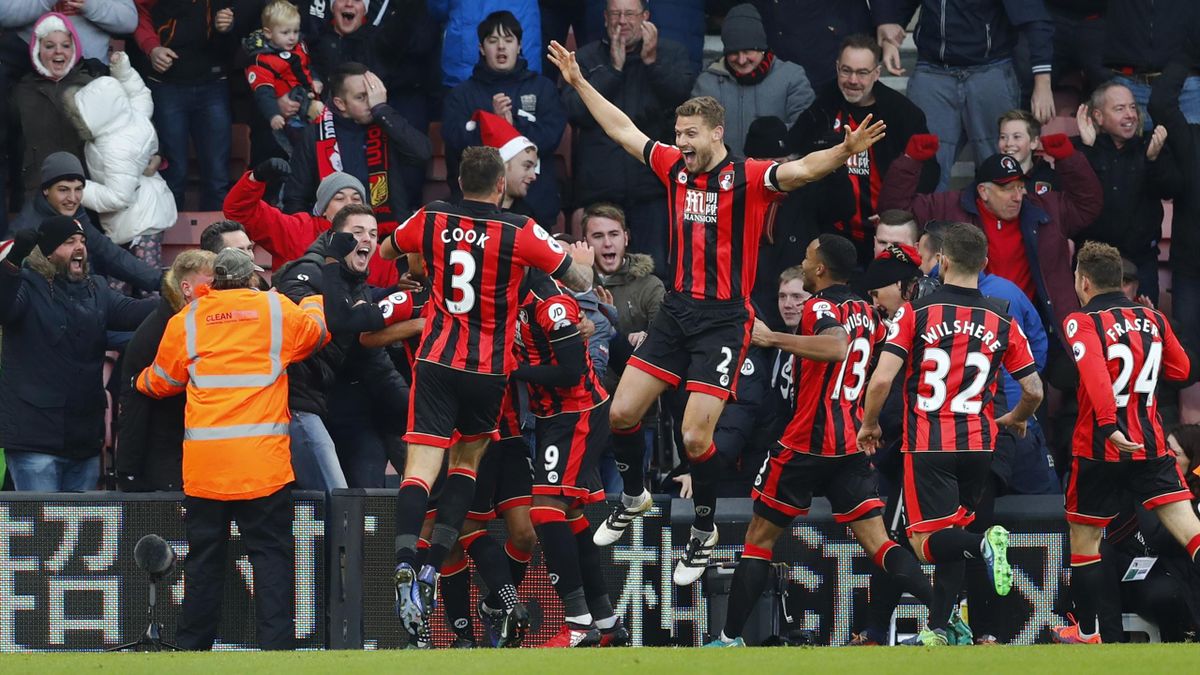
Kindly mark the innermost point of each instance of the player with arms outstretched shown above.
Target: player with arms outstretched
(951, 345)
(475, 255)
(718, 205)
(1121, 348)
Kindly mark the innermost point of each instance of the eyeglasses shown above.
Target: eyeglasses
(860, 74)
(628, 14)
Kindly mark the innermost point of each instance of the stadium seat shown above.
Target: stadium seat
(1137, 625)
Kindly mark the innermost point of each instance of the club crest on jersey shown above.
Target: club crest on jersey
(700, 206)
(681, 178)
(1041, 187)
(726, 181)
(1072, 328)
(529, 102)
(1078, 350)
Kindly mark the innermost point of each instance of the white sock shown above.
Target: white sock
(628, 501)
(605, 624)
(581, 620)
(724, 638)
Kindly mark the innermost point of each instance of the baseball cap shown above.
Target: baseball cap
(233, 264)
(999, 169)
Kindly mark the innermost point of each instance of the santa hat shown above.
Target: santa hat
(496, 132)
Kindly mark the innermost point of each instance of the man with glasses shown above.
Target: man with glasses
(856, 94)
(646, 76)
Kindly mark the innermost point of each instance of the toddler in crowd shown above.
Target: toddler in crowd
(280, 75)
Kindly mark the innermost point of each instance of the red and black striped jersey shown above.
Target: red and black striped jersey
(1121, 348)
(954, 342)
(476, 256)
(548, 316)
(866, 178)
(717, 219)
(828, 408)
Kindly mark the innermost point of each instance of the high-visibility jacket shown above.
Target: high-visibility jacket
(229, 350)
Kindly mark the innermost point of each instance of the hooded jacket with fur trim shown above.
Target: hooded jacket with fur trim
(113, 115)
(637, 293)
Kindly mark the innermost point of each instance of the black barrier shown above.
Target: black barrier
(827, 571)
(68, 580)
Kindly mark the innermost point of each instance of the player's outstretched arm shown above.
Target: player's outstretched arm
(615, 123)
(1031, 398)
(830, 345)
(815, 166)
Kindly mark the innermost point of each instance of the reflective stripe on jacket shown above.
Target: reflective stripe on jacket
(229, 350)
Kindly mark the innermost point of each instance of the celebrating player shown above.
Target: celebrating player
(951, 345)
(699, 338)
(571, 407)
(475, 254)
(1120, 349)
(818, 453)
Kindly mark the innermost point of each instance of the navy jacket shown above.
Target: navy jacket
(538, 113)
(52, 361)
(105, 257)
(960, 33)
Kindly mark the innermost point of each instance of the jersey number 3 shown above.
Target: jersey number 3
(968, 401)
(460, 280)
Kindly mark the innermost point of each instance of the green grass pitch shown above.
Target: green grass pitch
(1130, 659)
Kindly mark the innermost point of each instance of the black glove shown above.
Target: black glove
(340, 245)
(24, 242)
(272, 170)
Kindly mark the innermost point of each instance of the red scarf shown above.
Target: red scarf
(758, 74)
(329, 160)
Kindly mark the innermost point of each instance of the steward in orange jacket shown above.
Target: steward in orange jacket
(230, 349)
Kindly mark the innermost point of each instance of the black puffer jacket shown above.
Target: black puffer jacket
(310, 380)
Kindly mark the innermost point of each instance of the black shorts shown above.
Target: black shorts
(788, 480)
(942, 489)
(504, 479)
(447, 405)
(1097, 491)
(567, 453)
(510, 414)
(700, 343)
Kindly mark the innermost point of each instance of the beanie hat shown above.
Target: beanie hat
(894, 263)
(61, 166)
(333, 184)
(496, 132)
(766, 139)
(55, 230)
(233, 264)
(743, 29)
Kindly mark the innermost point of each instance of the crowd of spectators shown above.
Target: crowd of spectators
(1045, 123)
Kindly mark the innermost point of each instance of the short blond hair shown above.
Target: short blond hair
(192, 261)
(279, 12)
(791, 274)
(706, 107)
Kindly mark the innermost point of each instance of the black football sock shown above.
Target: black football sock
(629, 448)
(749, 581)
(706, 473)
(489, 560)
(947, 584)
(952, 543)
(518, 562)
(456, 599)
(590, 569)
(1087, 584)
(410, 515)
(904, 568)
(885, 593)
(457, 493)
(562, 562)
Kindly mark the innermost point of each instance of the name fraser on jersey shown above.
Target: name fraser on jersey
(969, 328)
(1138, 325)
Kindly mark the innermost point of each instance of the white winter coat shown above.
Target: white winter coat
(115, 112)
